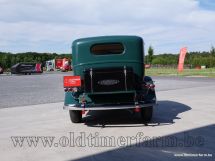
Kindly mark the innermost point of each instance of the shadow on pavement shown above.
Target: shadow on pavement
(194, 144)
(164, 114)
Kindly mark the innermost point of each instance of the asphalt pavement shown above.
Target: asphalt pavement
(182, 128)
(22, 90)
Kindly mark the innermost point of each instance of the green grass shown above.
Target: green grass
(209, 72)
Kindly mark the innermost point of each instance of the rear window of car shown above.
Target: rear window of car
(107, 49)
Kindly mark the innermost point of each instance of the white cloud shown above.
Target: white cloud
(51, 25)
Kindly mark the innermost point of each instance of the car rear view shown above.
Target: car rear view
(108, 74)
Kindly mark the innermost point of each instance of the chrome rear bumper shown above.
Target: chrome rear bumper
(105, 107)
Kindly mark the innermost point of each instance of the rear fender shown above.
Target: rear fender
(150, 94)
(70, 99)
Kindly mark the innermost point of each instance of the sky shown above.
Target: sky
(52, 25)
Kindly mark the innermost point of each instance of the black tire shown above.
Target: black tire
(146, 113)
(75, 116)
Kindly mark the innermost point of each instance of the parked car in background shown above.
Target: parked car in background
(109, 74)
(26, 68)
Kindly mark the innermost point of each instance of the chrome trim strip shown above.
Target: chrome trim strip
(125, 75)
(91, 79)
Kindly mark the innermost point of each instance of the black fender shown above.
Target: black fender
(150, 95)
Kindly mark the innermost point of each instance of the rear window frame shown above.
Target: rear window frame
(107, 53)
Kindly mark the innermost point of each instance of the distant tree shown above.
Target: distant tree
(150, 54)
(6, 60)
(212, 51)
(13, 60)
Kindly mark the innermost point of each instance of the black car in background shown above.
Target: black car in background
(26, 68)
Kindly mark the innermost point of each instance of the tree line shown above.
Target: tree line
(9, 59)
(193, 59)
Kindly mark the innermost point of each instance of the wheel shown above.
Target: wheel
(75, 116)
(146, 113)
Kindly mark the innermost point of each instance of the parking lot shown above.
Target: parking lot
(183, 125)
(20, 90)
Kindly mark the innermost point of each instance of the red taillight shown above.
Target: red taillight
(72, 81)
(83, 112)
(137, 108)
(150, 86)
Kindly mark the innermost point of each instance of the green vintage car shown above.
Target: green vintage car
(108, 75)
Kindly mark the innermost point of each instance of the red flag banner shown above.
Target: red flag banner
(182, 55)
